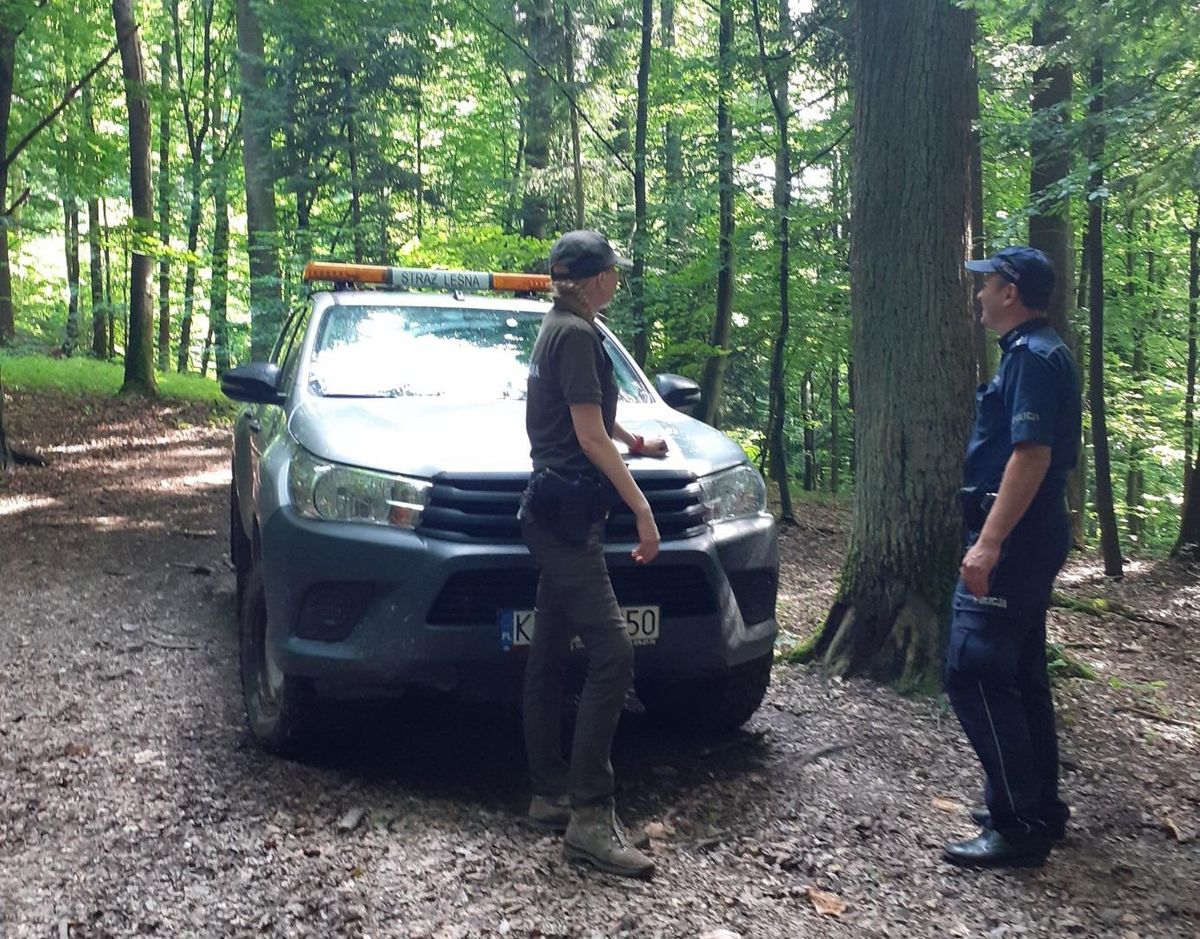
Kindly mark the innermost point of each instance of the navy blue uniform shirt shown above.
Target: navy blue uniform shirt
(1033, 398)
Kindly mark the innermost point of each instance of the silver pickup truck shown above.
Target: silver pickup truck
(377, 467)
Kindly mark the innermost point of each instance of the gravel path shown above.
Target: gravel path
(132, 803)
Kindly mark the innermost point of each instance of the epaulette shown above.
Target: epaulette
(1043, 341)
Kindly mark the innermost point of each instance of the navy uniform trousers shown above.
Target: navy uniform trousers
(997, 681)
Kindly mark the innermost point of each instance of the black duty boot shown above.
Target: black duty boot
(992, 849)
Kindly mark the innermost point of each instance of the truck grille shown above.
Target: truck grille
(483, 507)
(474, 597)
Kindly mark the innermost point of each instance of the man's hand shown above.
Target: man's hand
(977, 567)
(647, 549)
(654, 446)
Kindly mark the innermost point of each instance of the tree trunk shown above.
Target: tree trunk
(985, 351)
(1110, 542)
(206, 352)
(99, 342)
(108, 288)
(356, 232)
(1135, 477)
(189, 275)
(510, 212)
(1188, 543)
(808, 416)
(164, 206)
(71, 241)
(8, 54)
(673, 181)
(139, 342)
(576, 155)
(713, 381)
(420, 162)
(266, 298)
(218, 301)
(835, 441)
(777, 77)
(908, 245)
(637, 286)
(539, 119)
(1050, 227)
(96, 283)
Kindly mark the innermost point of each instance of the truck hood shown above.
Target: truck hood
(425, 436)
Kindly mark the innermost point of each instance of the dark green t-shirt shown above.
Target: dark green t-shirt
(569, 366)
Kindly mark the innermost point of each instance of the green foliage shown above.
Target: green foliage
(1062, 665)
(80, 375)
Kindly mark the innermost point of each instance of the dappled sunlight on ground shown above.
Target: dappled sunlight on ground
(15, 505)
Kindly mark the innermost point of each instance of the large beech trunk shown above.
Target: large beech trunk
(912, 331)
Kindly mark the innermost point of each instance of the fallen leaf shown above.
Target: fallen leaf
(1183, 837)
(352, 819)
(946, 804)
(827, 904)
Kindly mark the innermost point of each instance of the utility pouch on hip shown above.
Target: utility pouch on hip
(566, 503)
(976, 503)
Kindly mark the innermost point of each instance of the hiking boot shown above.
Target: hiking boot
(553, 813)
(594, 836)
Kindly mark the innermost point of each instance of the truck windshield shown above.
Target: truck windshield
(449, 352)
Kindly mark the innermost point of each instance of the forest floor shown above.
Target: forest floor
(133, 803)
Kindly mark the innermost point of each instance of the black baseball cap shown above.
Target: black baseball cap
(1026, 267)
(581, 254)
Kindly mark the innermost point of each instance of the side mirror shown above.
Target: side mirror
(256, 383)
(681, 393)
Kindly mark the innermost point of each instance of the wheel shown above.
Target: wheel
(279, 707)
(721, 703)
(241, 550)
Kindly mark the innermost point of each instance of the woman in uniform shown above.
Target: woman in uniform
(571, 420)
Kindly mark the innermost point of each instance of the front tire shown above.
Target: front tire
(279, 707)
(721, 703)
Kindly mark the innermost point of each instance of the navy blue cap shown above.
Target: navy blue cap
(581, 254)
(1026, 267)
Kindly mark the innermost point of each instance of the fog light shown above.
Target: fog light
(331, 611)
(755, 592)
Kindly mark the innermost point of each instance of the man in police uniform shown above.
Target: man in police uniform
(1017, 535)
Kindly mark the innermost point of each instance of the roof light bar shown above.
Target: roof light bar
(411, 278)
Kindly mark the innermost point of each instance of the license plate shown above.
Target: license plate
(516, 627)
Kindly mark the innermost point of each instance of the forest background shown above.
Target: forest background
(208, 148)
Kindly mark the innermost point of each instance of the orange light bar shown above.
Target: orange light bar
(408, 278)
(353, 273)
(520, 281)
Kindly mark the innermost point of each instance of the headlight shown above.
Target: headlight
(737, 492)
(320, 489)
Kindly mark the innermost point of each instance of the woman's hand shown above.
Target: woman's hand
(653, 446)
(647, 549)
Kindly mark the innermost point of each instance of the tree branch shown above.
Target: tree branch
(21, 199)
(45, 122)
(822, 153)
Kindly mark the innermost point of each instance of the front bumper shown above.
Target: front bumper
(427, 608)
